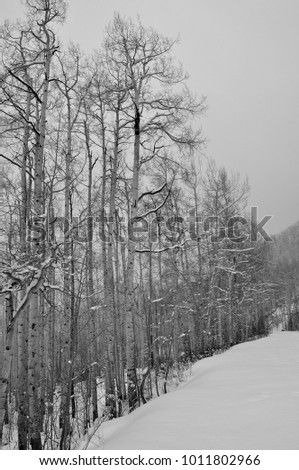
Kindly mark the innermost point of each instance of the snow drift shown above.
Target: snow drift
(245, 398)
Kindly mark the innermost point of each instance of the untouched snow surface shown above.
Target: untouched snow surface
(245, 398)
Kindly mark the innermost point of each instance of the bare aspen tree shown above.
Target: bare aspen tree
(42, 13)
(144, 56)
(41, 41)
(2, 346)
(23, 323)
(17, 90)
(69, 86)
(90, 274)
(100, 99)
(113, 326)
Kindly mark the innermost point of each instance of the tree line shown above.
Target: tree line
(285, 275)
(124, 252)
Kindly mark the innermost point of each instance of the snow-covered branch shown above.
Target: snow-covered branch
(173, 247)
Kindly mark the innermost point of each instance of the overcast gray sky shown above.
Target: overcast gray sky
(244, 56)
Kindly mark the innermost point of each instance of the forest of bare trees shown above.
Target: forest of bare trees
(285, 275)
(125, 254)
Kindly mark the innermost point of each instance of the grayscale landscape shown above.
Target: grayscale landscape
(149, 225)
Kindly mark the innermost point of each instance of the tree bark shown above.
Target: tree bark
(130, 338)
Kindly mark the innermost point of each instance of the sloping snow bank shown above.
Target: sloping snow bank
(245, 398)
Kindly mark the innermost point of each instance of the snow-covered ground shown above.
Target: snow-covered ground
(245, 398)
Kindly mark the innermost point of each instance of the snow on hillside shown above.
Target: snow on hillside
(245, 398)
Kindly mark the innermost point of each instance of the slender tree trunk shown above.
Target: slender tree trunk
(22, 381)
(112, 330)
(108, 321)
(120, 309)
(23, 322)
(90, 284)
(34, 411)
(130, 339)
(7, 358)
(2, 358)
(67, 366)
(230, 309)
(52, 347)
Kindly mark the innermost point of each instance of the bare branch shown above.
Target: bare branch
(151, 193)
(25, 84)
(143, 216)
(15, 163)
(173, 247)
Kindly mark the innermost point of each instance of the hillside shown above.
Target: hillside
(285, 273)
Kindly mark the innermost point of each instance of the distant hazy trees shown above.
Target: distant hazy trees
(284, 273)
